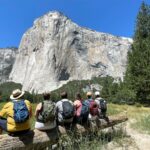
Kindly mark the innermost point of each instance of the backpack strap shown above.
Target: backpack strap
(13, 101)
(42, 106)
(62, 107)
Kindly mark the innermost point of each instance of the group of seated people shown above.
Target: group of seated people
(15, 115)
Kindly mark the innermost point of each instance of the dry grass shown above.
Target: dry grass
(139, 116)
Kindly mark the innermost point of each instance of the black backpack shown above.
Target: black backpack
(84, 111)
(68, 110)
(103, 105)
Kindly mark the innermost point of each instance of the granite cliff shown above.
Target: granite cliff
(7, 58)
(56, 50)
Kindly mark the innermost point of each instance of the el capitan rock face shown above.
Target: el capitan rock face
(7, 58)
(56, 50)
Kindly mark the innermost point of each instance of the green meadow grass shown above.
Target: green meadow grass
(1, 105)
(112, 110)
(142, 123)
(139, 117)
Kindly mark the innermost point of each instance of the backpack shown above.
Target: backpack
(93, 108)
(21, 112)
(84, 111)
(48, 112)
(68, 110)
(103, 105)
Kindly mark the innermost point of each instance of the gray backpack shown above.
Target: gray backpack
(68, 110)
(48, 112)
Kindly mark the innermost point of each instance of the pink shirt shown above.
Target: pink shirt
(78, 107)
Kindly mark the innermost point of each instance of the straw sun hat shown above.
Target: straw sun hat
(16, 94)
(89, 93)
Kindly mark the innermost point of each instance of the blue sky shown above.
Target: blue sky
(116, 17)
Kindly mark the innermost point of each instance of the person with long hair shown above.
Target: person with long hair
(81, 110)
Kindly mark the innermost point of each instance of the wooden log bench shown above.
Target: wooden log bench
(102, 124)
(41, 139)
(32, 140)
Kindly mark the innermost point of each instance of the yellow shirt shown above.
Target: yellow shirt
(7, 112)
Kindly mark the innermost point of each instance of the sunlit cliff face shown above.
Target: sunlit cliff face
(7, 58)
(56, 50)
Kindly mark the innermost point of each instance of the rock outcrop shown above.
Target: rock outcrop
(56, 50)
(7, 58)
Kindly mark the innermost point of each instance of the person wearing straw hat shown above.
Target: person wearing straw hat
(7, 114)
(92, 106)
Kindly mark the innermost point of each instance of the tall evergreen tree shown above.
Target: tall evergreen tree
(137, 76)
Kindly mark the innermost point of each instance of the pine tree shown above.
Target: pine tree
(137, 76)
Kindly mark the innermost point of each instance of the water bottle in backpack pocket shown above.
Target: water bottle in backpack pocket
(68, 110)
(21, 112)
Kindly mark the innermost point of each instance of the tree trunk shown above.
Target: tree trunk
(40, 140)
(36, 139)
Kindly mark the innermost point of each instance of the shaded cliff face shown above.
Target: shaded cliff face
(56, 50)
(7, 58)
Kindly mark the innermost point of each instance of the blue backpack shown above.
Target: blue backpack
(84, 111)
(21, 112)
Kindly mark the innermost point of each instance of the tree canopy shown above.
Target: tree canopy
(137, 77)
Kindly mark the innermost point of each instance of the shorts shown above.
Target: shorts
(3, 124)
(45, 126)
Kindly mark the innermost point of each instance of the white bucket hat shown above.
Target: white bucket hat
(97, 93)
(16, 94)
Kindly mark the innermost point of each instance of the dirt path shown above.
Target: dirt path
(142, 141)
(133, 141)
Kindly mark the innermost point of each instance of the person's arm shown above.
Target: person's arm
(29, 106)
(75, 104)
(38, 109)
(3, 112)
(56, 107)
